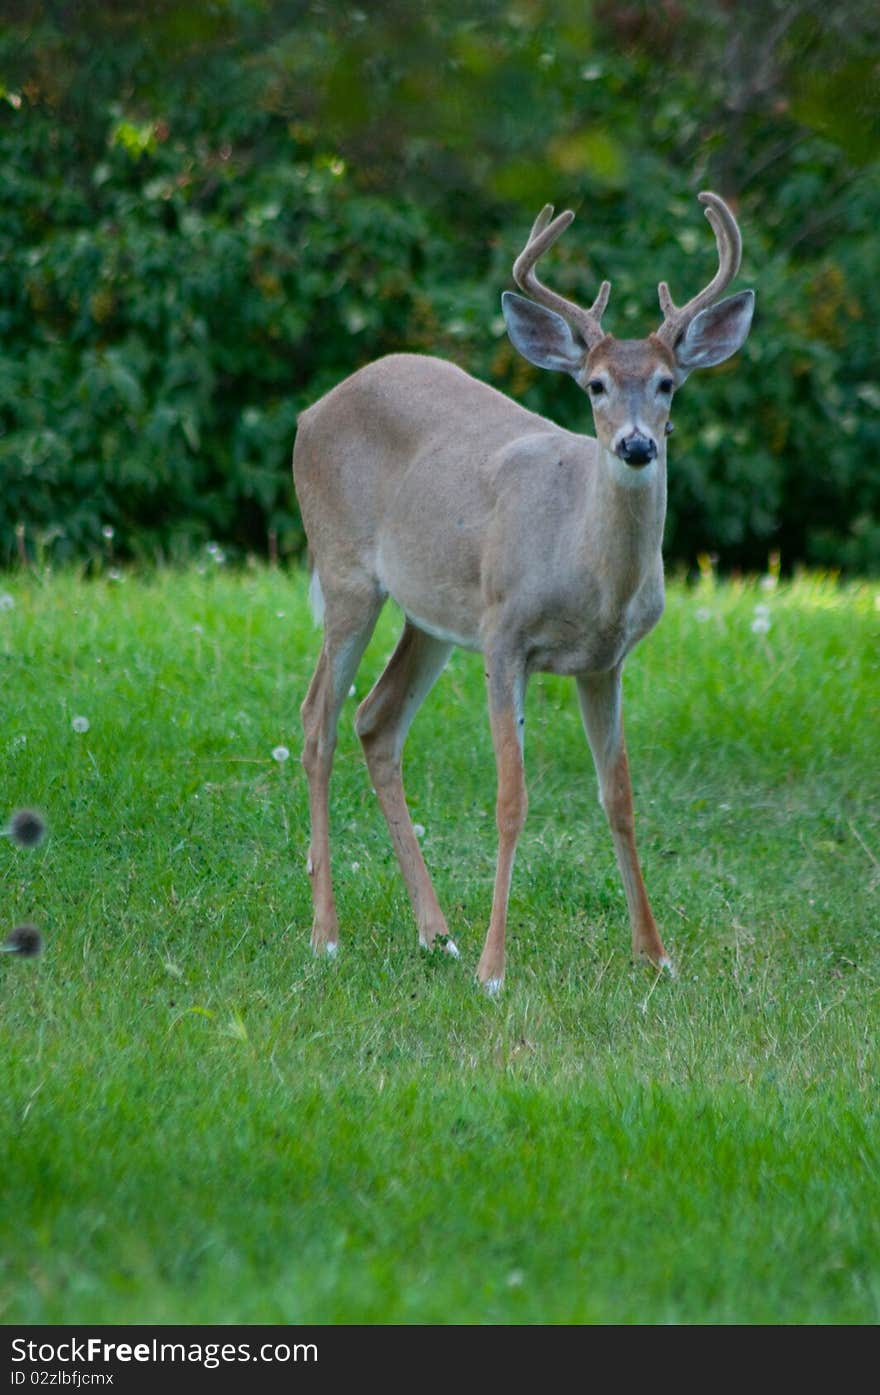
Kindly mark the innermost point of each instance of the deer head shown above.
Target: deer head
(630, 382)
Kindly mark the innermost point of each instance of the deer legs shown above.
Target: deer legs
(382, 722)
(506, 683)
(340, 655)
(599, 697)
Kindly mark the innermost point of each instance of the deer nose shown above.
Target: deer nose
(636, 449)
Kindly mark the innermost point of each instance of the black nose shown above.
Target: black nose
(637, 449)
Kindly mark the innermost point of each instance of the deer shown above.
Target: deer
(495, 530)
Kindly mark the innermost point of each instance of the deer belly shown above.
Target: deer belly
(449, 612)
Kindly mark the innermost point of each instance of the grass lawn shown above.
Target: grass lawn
(202, 1123)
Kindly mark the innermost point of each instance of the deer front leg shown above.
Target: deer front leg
(506, 682)
(600, 702)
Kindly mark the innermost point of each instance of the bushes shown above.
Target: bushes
(166, 345)
(188, 259)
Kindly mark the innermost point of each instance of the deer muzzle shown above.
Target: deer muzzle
(636, 449)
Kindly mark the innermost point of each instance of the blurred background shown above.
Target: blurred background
(213, 210)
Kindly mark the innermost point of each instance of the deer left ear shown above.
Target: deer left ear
(716, 333)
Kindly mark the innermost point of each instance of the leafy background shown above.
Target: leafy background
(214, 211)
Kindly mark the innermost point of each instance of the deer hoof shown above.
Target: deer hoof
(441, 941)
(328, 947)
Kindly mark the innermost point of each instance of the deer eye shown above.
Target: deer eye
(595, 387)
(665, 386)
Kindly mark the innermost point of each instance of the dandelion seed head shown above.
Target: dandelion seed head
(25, 941)
(419, 830)
(7, 602)
(27, 828)
(760, 625)
(703, 613)
(80, 724)
(281, 754)
(108, 532)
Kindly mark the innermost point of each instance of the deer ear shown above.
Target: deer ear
(716, 333)
(542, 336)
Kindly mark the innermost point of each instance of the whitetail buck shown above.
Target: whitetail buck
(494, 529)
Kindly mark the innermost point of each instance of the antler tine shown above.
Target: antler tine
(542, 220)
(545, 230)
(729, 242)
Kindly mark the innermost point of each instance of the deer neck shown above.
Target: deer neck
(631, 508)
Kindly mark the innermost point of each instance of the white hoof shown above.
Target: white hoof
(445, 943)
(666, 966)
(331, 949)
(493, 986)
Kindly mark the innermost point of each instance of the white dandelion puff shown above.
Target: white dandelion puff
(703, 613)
(7, 602)
(760, 625)
(419, 830)
(80, 724)
(281, 754)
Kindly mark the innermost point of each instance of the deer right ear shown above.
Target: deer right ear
(542, 336)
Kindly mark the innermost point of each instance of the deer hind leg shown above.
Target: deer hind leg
(600, 703)
(348, 624)
(382, 722)
(506, 699)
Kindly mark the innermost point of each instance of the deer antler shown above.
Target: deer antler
(544, 233)
(727, 235)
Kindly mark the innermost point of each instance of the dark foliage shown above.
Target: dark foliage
(214, 211)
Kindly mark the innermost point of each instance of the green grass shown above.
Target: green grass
(201, 1123)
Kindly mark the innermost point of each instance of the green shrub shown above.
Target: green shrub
(191, 255)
